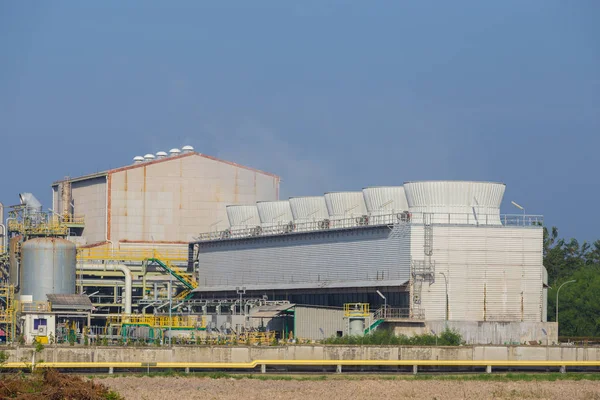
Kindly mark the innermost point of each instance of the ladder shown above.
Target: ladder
(423, 270)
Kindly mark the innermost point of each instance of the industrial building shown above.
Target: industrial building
(119, 237)
(425, 251)
(160, 199)
(201, 246)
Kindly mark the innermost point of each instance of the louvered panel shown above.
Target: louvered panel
(333, 256)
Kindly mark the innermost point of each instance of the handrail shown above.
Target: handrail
(343, 222)
(187, 282)
(159, 321)
(105, 253)
(356, 310)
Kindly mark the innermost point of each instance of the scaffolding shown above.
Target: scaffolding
(8, 311)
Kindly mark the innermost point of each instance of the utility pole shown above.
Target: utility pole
(558, 291)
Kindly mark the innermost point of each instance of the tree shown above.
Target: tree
(579, 303)
(579, 308)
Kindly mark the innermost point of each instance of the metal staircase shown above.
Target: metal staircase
(186, 281)
(400, 228)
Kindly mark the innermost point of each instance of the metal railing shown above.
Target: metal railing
(397, 313)
(43, 224)
(159, 321)
(107, 254)
(73, 219)
(356, 310)
(512, 220)
(522, 220)
(36, 306)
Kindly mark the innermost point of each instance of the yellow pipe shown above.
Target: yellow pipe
(256, 363)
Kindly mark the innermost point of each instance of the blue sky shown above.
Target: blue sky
(330, 95)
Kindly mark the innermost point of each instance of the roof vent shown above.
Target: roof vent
(149, 157)
(187, 149)
(161, 154)
(138, 159)
(174, 152)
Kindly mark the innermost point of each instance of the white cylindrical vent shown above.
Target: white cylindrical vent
(174, 152)
(456, 202)
(383, 200)
(308, 211)
(161, 154)
(149, 157)
(274, 213)
(345, 205)
(138, 159)
(243, 216)
(187, 149)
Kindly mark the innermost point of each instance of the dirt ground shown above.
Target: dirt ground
(147, 388)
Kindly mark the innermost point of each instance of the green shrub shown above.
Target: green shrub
(388, 338)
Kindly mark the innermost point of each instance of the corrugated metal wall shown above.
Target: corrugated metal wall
(494, 273)
(315, 259)
(176, 199)
(318, 323)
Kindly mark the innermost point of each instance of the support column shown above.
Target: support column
(415, 369)
(488, 369)
(563, 369)
(110, 370)
(263, 368)
(338, 369)
(187, 370)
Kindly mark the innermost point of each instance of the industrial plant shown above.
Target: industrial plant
(185, 245)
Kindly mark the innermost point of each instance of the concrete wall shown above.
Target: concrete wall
(317, 352)
(482, 332)
(493, 273)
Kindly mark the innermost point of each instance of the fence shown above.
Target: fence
(343, 222)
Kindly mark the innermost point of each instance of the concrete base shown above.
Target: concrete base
(485, 332)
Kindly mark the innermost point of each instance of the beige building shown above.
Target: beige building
(162, 201)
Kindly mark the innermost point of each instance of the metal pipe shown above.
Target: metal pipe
(447, 303)
(30, 202)
(4, 247)
(116, 267)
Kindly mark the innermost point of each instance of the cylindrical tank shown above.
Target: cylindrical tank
(357, 327)
(48, 267)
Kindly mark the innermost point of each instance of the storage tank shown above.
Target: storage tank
(48, 266)
(455, 202)
(356, 327)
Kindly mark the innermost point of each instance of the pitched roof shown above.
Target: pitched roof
(159, 160)
(70, 301)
